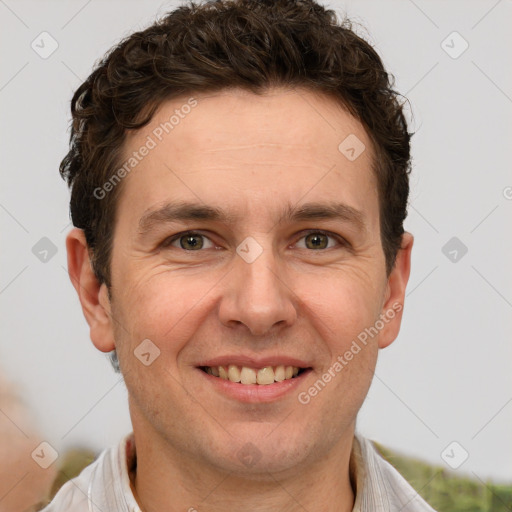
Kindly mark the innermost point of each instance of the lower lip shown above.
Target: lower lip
(255, 393)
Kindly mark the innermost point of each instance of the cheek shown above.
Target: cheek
(169, 306)
(345, 302)
(354, 380)
(164, 307)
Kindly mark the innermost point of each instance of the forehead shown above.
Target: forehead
(245, 149)
(294, 119)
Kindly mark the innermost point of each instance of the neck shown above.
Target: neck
(165, 480)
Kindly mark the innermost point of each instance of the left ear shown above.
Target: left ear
(395, 292)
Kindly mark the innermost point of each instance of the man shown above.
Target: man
(239, 176)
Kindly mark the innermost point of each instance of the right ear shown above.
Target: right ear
(93, 295)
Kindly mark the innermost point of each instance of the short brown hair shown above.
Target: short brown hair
(221, 44)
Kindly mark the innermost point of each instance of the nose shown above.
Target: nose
(258, 295)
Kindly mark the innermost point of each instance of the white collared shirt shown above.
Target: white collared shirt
(104, 485)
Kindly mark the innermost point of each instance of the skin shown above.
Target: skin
(250, 155)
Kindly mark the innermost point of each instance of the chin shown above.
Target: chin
(257, 455)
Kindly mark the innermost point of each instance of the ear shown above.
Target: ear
(395, 292)
(93, 295)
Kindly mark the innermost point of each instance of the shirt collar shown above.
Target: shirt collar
(357, 473)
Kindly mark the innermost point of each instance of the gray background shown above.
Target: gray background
(448, 375)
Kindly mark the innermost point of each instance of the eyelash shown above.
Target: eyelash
(168, 241)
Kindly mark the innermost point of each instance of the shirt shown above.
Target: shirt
(104, 485)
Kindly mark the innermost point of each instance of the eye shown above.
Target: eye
(192, 241)
(320, 240)
(189, 241)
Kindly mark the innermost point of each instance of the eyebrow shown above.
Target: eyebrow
(188, 211)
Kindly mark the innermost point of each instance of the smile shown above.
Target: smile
(247, 375)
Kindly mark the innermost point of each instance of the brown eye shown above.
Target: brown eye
(189, 241)
(317, 241)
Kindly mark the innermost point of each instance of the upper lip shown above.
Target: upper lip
(255, 362)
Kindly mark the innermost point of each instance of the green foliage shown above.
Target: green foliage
(447, 492)
(71, 465)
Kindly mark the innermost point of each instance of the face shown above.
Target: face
(256, 272)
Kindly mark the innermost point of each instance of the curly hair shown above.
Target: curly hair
(250, 44)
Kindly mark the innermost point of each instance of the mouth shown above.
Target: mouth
(246, 375)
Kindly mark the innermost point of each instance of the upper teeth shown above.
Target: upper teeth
(246, 375)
